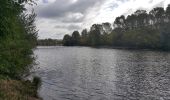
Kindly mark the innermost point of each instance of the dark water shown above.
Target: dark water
(82, 73)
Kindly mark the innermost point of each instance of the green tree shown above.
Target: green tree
(17, 38)
(95, 35)
(107, 27)
(141, 16)
(67, 40)
(75, 38)
(158, 16)
(168, 13)
(138, 30)
(119, 22)
(84, 37)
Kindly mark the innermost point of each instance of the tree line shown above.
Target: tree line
(49, 42)
(141, 29)
(18, 36)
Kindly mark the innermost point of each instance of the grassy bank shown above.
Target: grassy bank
(19, 89)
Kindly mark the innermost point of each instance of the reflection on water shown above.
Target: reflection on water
(82, 73)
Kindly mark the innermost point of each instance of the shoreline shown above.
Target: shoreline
(11, 89)
(113, 47)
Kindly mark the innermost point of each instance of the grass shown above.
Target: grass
(19, 90)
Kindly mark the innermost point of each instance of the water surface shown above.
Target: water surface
(83, 73)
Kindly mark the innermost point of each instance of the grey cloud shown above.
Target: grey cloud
(66, 11)
(150, 1)
(160, 4)
(129, 11)
(69, 27)
(74, 27)
(45, 1)
(60, 26)
(55, 9)
(73, 18)
(123, 0)
(113, 6)
(62, 7)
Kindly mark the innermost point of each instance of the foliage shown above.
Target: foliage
(75, 38)
(18, 36)
(67, 40)
(138, 30)
(48, 42)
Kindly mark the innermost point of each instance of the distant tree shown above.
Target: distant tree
(119, 22)
(158, 15)
(75, 38)
(165, 30)
(131, 22)
(67, 40)
(107, 27)
(95, 34)
(49, 42)
(138, 30)
(84, 37)
(168, 13)
(141, 18)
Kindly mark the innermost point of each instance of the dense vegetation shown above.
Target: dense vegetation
(141, 29)
(49, 42)
(18, 36)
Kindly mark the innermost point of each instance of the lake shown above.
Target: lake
(84, 73)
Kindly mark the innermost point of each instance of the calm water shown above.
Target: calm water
(83, 73)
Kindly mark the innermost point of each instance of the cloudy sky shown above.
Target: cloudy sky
(55, 18)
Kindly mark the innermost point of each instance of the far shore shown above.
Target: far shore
(114, 47)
